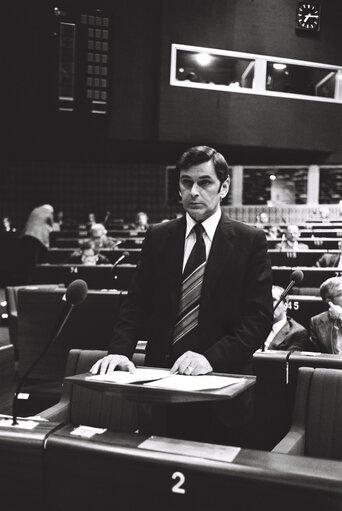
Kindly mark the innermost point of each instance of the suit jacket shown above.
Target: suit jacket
(292, 337)
(328, 260)
(322, 333)
(235, 313)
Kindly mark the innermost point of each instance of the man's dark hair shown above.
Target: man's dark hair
(200, 154)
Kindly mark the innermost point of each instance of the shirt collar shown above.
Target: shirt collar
(209, 225)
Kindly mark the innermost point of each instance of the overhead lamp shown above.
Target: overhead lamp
(203, 59)
(279, 67)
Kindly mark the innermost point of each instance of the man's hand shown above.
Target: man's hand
(110, 362)
(335, 312)
(191, 363)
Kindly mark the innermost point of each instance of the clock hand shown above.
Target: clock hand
(310, 16)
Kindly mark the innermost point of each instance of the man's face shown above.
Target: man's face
(201, 190)
(292, 233)
(336, 298)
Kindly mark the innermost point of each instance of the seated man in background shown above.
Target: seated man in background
(326, 328)
(331, 259)
(88, 254)
(290, 241)
(98, 235)
(286, 333)
(140, 222)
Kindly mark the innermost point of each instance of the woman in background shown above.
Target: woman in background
(34, 240)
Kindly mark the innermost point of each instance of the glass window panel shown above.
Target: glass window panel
(274, 186)
(296, 79)
(214, 69)
(330, 185)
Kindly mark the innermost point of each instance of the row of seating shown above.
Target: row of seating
(300, 258)
(107, 277)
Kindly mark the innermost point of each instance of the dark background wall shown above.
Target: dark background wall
(83, 163)
(249, 121)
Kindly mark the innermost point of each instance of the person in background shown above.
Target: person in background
(331, 259)
(140, 221)
(290, 240)
(98, 235)
(286, 333)
(326, 327)
(272, 232)
(34, 241)
(262, 220)
(88, 255)
(91, 220)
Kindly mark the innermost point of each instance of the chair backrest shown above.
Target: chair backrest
(7, 378)
(95, 408)
(89, 326)
(324, 414)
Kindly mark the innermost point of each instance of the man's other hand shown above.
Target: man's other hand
(191, 363)
(109, 363)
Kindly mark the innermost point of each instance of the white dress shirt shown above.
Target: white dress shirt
(209, 226)
(275, 329)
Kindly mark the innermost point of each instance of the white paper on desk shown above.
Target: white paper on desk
(202, 382)
(140, 375)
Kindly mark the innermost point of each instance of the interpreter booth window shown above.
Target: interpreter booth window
(274, 186)
(250, 73)
(330, 185)
(172, 189)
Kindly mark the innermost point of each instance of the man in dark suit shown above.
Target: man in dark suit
(235, 305)
(331, 259)
(286, 333)
(326, 327)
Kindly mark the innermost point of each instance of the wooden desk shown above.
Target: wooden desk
(22, 466)
(181, 414)
(135, 472)
(97, 277)
(315, 243)
(313, 277)
(143, 393)
(300, 258)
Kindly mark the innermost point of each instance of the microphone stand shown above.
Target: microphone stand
(22, 380)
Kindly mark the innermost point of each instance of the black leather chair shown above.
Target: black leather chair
(317, 415)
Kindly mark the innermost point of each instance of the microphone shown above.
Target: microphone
(296, 277)
(123, 256)
(75, 294)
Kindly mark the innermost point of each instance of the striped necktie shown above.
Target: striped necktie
(184, 337)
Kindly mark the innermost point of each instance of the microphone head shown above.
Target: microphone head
(76, 292)
(297, 276)
(126, 254)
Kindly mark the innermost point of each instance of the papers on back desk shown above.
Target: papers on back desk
(161, 378)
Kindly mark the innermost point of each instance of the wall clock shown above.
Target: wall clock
(308, 16)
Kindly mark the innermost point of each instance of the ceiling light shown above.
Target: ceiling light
(203, 59)
(279, 67)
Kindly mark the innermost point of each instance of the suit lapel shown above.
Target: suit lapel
(327, 334)
(220, 255)
(280, 336)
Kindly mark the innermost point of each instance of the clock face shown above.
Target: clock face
(308, 16)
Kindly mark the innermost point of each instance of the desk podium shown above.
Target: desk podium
(173, 412)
